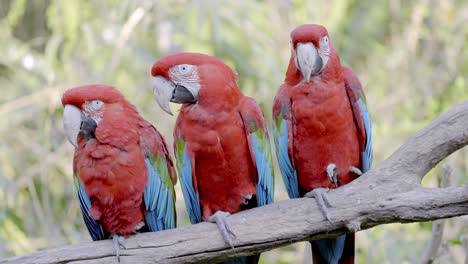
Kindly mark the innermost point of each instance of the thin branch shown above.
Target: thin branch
(27, 100)
(387, 194)
(433, 246)
(124, 35)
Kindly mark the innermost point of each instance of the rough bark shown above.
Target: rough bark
(432, 249)
(389, 193)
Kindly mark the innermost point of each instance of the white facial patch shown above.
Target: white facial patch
(324, 51)
(187, 76)
(94, 110)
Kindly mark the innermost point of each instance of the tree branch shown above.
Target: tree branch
(432, 249)
(387, 194)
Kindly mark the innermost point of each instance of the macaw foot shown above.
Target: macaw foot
(320, 195)
(332, 172)
(355, 170)
(220, 218)
(118, 242)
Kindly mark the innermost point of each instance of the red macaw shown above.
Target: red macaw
(123, 173)
(220, 139)
(323, 129)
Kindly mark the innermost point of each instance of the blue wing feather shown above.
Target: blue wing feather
(184, 166)
(367, 153)
(94, 228)
(287, 170)
(256, 134)
(358, 103)
(262, 152)
(159, 196)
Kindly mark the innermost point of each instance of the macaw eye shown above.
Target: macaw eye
(96, 104)
(325, 40)
(185, 68)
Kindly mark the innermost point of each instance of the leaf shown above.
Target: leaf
(455, 241)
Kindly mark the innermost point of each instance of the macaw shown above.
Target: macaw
(220, 139)
(123, 174)
(323, 132)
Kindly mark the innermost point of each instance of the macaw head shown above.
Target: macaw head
(88, 109)
(312, 53)
(193, 78)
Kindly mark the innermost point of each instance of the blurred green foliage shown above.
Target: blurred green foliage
(410, 56)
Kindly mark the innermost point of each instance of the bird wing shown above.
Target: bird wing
(361, 117)
(283, 135)
(260, 150)
(96, 231)
(187, 175)
(159, 195)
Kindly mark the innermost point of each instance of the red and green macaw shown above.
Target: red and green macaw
(220, 139)
(123, 173)
(323, 130)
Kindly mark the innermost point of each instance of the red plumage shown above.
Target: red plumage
(219, 138)
(214, 131)
(324, 122)
(114, 181)
(324, 128)
(112, 165)
(224, 172)
(223, 169)
(323, 131)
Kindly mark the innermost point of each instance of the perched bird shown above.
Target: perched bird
(122, 170)
(220, 139)
(322, 129)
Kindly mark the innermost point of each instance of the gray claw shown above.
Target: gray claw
(332, 172)
(320, 195)
(220, 218)
(355, 170)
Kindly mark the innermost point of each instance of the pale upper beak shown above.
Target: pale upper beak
(307, 60)
(166, 91)
(75, 123)
(72, 122)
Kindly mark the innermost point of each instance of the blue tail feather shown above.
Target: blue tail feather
(333, 251)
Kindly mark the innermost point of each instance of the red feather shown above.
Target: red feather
(112, 166)
(223, 169)
(223, 172)
(324, 122)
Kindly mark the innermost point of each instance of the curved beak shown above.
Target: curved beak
(72, 117)
(76, 123)
(308, 61)
(166, 91)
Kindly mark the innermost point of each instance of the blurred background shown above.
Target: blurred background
(410, 56)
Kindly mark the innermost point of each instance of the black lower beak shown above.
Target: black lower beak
(87, 127)
(182, 95)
